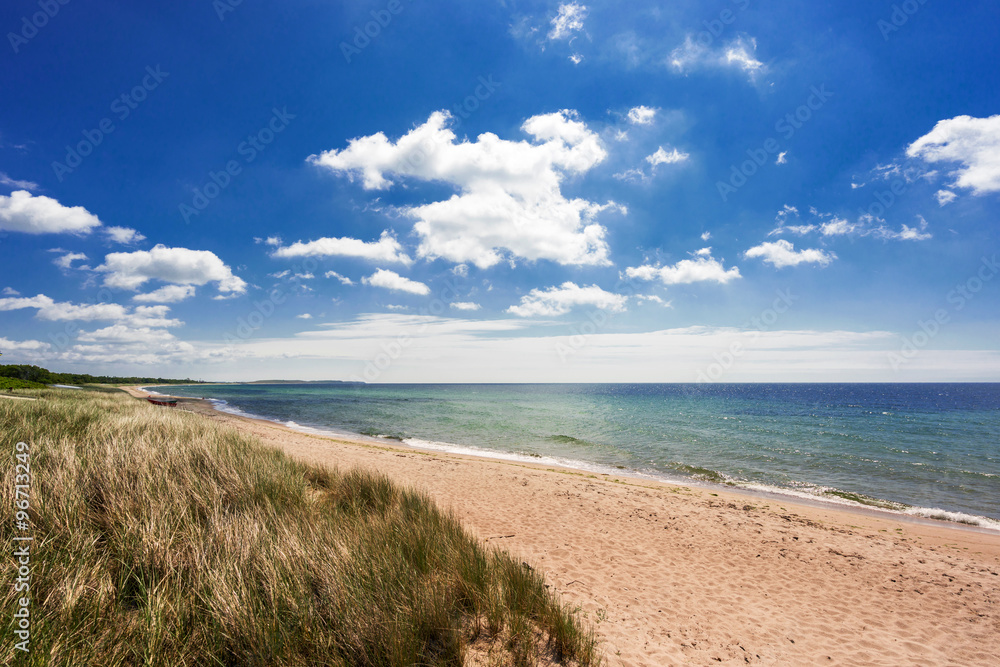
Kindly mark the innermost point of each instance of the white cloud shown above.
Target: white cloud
(386, 249)
(781, 253)
(632, 176)
(24, 212)
(917, 233)
(10, 291)
(706, 236)
(973, 142)
(838, 227)
(180, 266)
(344, 280)
(652, 298)
(167, 294)
(560, 300)
(66, 261)
(576, 58)
(49, 309)
(123, 235)
(740, 53)
(394, 281)
(14, 183)
(663, 157)
(23, 345)
(509, 191)
(782, 158)
(830, 225)
(56, 311)
(659, 157)
(641, 115)
(945, 197)
(304, 316)
(121, 333)
(702, 268)
(465, 305)
(569, 20)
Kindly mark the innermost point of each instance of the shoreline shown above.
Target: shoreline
(673, 574)
(774, 494)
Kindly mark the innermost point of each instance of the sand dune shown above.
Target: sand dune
(678, 575)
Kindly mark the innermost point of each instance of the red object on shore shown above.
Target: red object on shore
(169, 402)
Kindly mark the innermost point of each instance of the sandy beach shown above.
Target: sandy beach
(672, 574)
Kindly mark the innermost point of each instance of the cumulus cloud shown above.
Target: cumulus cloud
(166, 294)
(386, 249)
(30, 214)
(465, 305)
(568, 21)
(560, 300)
(509, 192)
(50, 309)
(63, 311)
(641, 115)
(23, 345)
(304, 316)
(702, 267)
(179, 266)
(393, 281)
(782, 253)
(123, 235)
(663, 157)
(66, 261)
(783, 158)
(740, 53)
(972, 142)
(945, 197)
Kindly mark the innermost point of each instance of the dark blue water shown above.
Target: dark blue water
(930, 449)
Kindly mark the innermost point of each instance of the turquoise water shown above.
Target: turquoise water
(929, 449)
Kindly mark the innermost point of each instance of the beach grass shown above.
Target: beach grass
(162, 538)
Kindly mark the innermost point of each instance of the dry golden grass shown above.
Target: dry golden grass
(161, 538)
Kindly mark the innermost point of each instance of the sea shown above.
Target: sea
(930, 450)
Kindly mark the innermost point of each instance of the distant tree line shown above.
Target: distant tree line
(45, 376)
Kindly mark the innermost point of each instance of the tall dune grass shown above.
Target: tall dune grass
(162, 538)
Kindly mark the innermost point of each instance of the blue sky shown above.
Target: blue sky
(511, 191)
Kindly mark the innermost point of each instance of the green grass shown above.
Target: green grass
(14, 383)
(161, 538)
